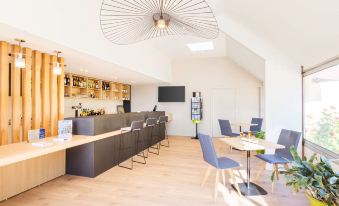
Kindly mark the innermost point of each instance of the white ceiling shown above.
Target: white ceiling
(305, 30)
(77, 62)
(176, 46)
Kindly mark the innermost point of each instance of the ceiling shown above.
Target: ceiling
(78, 62)
(305, 31)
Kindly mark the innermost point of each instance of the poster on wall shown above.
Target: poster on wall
(65, 129)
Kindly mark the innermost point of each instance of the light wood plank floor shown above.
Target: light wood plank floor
(173, 178)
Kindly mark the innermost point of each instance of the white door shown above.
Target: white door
(223, 107)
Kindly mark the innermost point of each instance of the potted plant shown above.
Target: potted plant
(260, 135)
(316, 176)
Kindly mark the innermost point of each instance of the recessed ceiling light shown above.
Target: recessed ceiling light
(201, 46)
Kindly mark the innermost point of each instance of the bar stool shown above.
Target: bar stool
(164, 120)
(135, 128)
(154, 140)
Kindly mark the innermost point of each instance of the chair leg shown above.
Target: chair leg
(141, 154)
(223, 177)
(286, 166)
(230, 171)
(276, 173)
(166, 138)
(130, 168)
(157, 148)
(262, 167)
(216, 185)
(207, 173)
(231, 149)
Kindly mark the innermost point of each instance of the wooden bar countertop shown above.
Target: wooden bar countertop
(17, 152)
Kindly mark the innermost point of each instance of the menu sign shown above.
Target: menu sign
(65, 129)
(36, 134)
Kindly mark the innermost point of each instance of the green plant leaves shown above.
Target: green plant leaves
(315, 175)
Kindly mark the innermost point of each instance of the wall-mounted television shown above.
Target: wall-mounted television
(171, 94)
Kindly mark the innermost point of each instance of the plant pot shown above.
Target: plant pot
(315, 202)
(260, 151)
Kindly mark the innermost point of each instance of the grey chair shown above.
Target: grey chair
(152, 123)
(281, 156)
(131, 144)
(164, 120)
(219, 163)
(226, 129)
(257, 125)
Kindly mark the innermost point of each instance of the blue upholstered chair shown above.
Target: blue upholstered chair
(257, 127)
(281, 156)
(219, 163)
(226, 129)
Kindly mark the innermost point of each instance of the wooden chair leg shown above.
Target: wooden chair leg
(231, 149)
(286, 166)
(234, 181)
(207, 173)
(273, 183)
(240, 175)
(262, 167)
(216, 185)
(276, 171)
(223, 177)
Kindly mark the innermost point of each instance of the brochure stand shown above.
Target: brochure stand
(196, 111)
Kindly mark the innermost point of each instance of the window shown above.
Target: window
(321, 108)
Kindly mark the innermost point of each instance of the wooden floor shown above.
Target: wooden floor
(173, 178)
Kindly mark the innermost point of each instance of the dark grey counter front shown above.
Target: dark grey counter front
(96, 157)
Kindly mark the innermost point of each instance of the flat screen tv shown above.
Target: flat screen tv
(171, 94)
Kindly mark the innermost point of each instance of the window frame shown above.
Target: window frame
(306, 143)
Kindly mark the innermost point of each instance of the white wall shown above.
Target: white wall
(283, 97)
(204, 75)
(87, 103)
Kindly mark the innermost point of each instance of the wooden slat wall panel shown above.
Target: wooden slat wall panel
(61, 89)
(53, 97)
(4, 81)
(15, 93)
(36, 100)
(45, 104)
(26, 94)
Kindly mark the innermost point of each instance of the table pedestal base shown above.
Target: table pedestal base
(253, 190)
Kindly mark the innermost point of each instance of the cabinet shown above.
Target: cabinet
(77, 86)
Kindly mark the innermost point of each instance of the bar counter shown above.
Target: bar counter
(23, 166)
(96, 157)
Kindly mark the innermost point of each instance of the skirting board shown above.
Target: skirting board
(22, 176)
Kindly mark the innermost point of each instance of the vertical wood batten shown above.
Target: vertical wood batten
(53, 97)
(15, 95)
(36, 100)
(61, 89)
(4, 81)
(45, 104)
(27, 94)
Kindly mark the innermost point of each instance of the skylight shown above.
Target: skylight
(201, 46)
